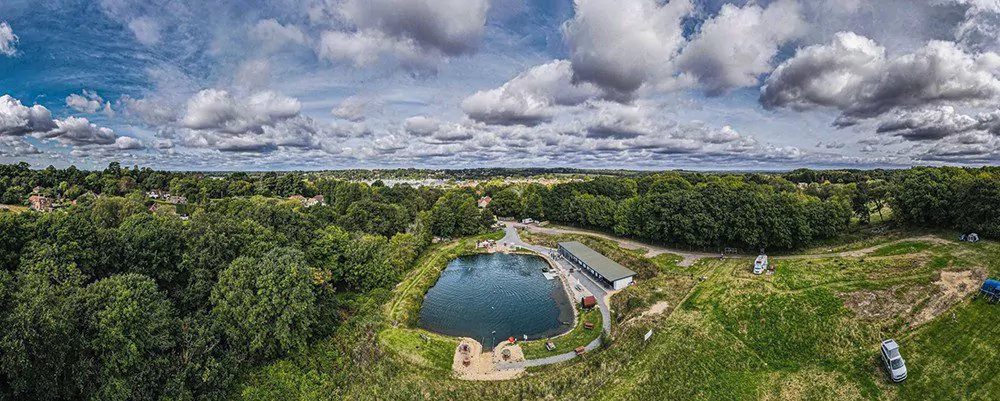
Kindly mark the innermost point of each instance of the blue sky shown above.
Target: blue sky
(647, 84)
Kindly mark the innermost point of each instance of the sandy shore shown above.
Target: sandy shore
(486, 365)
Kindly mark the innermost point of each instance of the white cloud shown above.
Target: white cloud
(217, 110)
(531, 97)
(735, 47)
(352, 109)
(412, 33)
(146, 30)
(90, 102)
(17, 119)
(451, 27)
(79, 131)
(421, 126)
(275, 36)
(854, 75)
(128, 143)
(7, 40)
(622, 44)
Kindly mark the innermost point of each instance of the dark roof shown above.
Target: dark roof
(607, 268)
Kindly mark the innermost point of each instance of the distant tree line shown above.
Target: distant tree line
(770, 211)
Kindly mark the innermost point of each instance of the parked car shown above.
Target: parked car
(893, 361)
(760, 264)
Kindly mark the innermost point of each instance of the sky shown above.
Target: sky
(630, 84)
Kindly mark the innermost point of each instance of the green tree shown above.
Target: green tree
(127, 330)
(266, 305)
(507, 203)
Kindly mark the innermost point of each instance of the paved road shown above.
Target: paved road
(653, 250)
(599, 292)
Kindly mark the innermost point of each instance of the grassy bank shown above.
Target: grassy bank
(579, 336)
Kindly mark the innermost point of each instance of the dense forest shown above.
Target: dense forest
(104, 298)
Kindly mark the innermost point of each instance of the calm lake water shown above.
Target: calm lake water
(478, 294)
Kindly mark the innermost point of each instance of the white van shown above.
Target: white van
(760, 264)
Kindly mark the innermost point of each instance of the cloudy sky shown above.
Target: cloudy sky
(643, 84)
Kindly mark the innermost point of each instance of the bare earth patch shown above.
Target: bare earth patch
(878, 305)
(952, 288)
(903, 300)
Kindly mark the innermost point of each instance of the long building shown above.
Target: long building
(606, 271)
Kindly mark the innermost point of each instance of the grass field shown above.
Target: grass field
(811, 331)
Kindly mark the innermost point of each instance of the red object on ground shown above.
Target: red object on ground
(589, 301)
(512, 340)
(588, 325)
(580, 350)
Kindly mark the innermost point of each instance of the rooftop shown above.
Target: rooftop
(608, 268)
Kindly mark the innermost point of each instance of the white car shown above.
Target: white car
(893, 361)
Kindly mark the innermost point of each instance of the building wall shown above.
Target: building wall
(619, 284)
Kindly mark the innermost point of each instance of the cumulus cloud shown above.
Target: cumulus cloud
(262, 122)
(79, 131)
(854, 75)
(17, 147)
(531, 97)
(980, 31)
(90, 102)
(7, 40)
(622, 44)
(927, 124)
(452, 27)
(421, 126)
(616, 121)
(734, 48)
(17, 119)
(413, 32)
(218, 110)
(129, 143)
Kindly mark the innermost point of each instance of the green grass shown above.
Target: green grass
(421, 347)
(579, 336)
(902, 248)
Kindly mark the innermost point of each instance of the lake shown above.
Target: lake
(507, 293)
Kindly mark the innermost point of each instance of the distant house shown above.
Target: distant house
(299, 198)
(484, 201)
(588, 302)
(177, 200)
(154, 208)
(316, 200)
(40, 203)
(158, 194)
